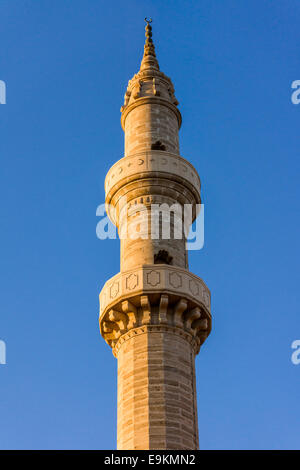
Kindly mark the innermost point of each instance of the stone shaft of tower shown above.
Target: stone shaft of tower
(154, 314)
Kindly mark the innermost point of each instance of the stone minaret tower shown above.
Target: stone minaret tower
(154, 313)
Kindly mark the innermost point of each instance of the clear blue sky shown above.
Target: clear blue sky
(66, 64)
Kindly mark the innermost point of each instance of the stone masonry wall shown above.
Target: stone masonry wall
(156, 392)
(149, 123)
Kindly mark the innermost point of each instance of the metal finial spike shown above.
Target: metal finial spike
(148, 31)
(149, 59)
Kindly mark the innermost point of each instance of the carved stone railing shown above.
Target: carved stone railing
(155, 297)
(151, 162)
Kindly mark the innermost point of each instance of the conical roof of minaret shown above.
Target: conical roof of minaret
(149, 60)
(149, 84)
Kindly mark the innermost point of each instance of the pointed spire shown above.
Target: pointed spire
(149, 59)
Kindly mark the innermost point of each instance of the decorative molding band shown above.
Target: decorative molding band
(151, 162)
(194, 341)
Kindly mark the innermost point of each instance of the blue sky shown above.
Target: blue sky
(66, 64)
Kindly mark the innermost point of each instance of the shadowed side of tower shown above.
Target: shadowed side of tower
(154, 314)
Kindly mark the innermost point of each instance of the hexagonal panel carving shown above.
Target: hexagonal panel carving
(194, 288)
(169, 279)
(131, 281)
(175, 280)
(153, 278)
(114, 290)
(206, 299)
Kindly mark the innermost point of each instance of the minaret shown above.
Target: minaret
(154, 313)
